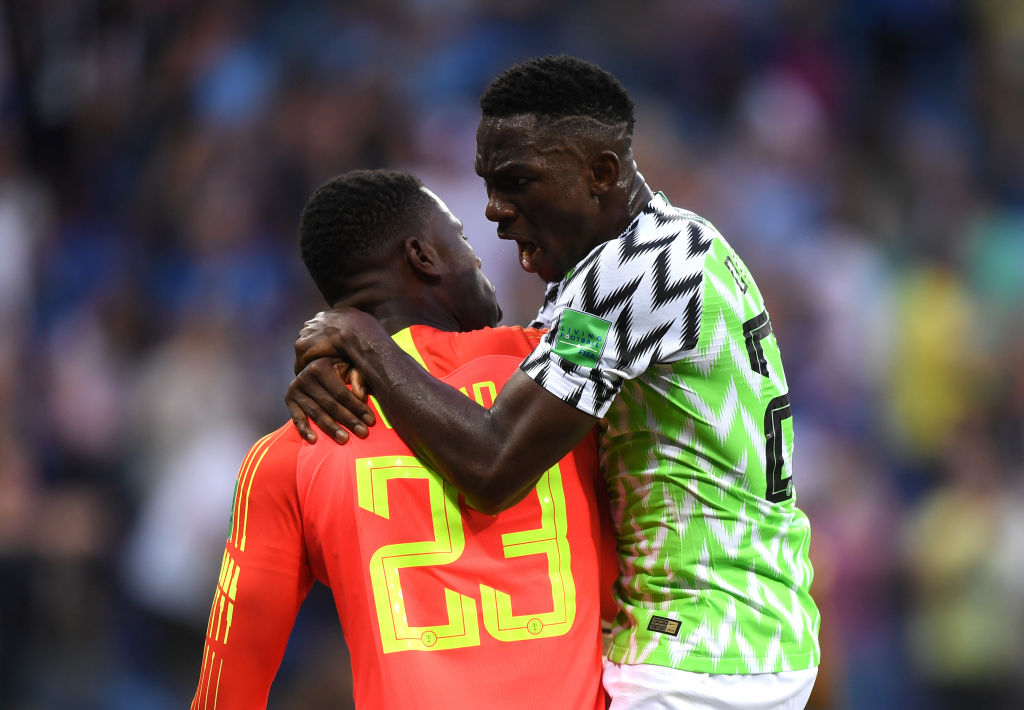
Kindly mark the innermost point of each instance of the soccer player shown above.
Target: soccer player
(656, 326)
(442, 606)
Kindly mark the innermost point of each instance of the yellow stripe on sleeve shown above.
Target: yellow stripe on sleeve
(243, 474)
(248, 490)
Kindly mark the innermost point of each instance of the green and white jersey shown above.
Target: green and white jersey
(664, 334)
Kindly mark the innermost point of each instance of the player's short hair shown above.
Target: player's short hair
(556, 87)
(351, 220)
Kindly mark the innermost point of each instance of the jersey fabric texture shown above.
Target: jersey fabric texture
(442, 606)
(648, 687)
(663, 332)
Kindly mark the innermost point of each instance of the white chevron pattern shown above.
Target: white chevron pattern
(688, 367)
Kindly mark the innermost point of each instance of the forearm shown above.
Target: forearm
(447, 430)
(493, 456)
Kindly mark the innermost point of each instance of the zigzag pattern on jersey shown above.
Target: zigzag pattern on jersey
(545, 313)
(656, 263)
(663, 292)
(757, 556)
(534, 366)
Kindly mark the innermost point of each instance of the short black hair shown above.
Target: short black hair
(350, 220)
(558, 86)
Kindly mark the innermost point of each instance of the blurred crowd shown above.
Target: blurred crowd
(866, 159)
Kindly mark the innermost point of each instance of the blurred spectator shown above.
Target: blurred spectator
(934, 354)
(965, 554)
(867, 159)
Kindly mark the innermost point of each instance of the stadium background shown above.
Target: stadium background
(867, 159)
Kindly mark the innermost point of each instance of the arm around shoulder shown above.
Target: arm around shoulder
(493, 456)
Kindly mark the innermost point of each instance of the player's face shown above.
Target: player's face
(468, 294)
(538, 191)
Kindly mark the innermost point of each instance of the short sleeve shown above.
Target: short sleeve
(632, 302)
(547, 310)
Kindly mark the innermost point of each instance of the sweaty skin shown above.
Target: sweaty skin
(557, 191)
(493, 456)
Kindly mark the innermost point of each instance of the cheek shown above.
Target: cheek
(569, 202)
(563, 227)
(556, 215)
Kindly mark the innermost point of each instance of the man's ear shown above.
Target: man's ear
(422, 257)
(604, 172)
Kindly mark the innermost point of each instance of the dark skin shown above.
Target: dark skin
(431, 277)
(556, 189)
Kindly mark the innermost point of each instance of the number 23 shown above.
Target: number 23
(462, 628)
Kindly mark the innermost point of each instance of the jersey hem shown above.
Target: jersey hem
(726, 665)
(571, 389)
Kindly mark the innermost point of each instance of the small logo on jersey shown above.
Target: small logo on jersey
(581, 337)
(663, 625)
(737, 275)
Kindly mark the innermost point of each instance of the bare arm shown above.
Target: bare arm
(493, 456)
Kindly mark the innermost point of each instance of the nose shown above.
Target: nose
(498, 209)
(479, 264)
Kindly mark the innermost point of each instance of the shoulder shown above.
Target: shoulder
(445, 352)
(482, 378)
(280, 445)
(660, 241)
(506, 340)
(272, 459)
(546, 312)
(662, 229)
(265, 492)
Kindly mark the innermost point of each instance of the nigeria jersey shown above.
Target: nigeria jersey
(663, 332)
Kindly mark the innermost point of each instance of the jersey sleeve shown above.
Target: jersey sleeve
(632, 302)
(547, 309)
(263, 580)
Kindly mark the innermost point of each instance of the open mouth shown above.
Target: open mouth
(527, 256)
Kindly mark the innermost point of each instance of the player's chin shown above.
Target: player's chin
(493, 317)
(485, 317)
(550, 273)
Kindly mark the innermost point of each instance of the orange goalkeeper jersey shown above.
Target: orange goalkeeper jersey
(442, 606)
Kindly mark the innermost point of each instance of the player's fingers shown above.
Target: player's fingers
(309, 348)
(299, 418)
(329, 403)
(323, 397)
(315, 320)
(355, 381)
(311, 401)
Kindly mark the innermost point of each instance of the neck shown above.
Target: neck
(633, 196)
(638, 195)
(377, 297)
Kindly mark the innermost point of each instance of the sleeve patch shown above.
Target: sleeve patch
(581, 337)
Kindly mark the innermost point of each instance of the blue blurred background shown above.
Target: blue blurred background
(866, 157)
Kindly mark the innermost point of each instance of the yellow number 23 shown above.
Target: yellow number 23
(462, 627)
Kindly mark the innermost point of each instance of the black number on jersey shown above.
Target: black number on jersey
(777, 487)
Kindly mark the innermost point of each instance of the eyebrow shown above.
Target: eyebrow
(511, 166)
(503, 165)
